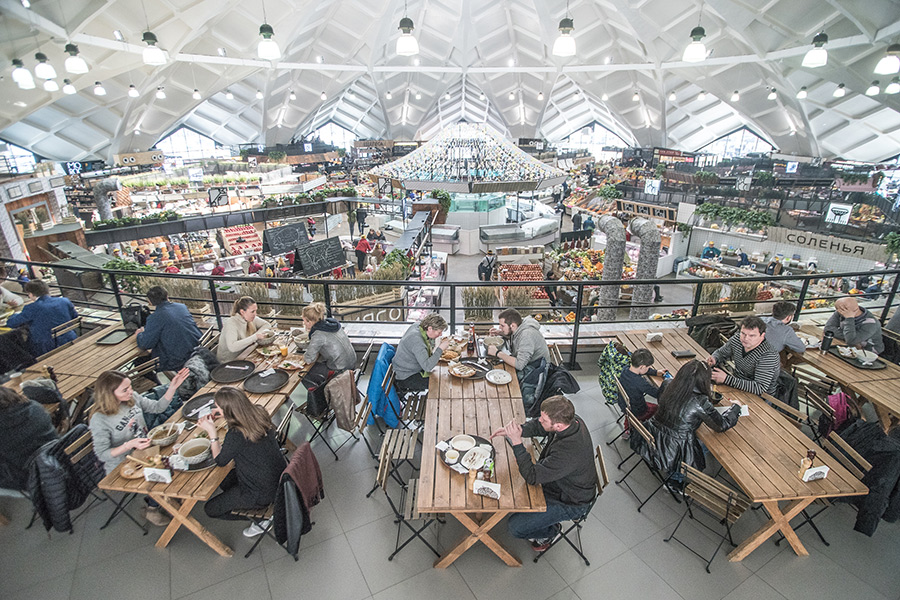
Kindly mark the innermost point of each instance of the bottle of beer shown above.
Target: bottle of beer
(471, 344)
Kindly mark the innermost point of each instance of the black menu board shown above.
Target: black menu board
(320, 257)
(278, 240)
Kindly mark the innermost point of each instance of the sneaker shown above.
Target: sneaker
(156, 517)
(255, 530)
(541, 545)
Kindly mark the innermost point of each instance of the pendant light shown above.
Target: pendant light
(636, 97)
(229, 95)
(818, 55)
(512, 96)
(68, 88)
(890, 62)
(50, 85)
(672, 97)
(75, 64)
(605, 97)
(702, 95)
(540, 96)
(482, 97)
(259, 95)
(772, 94)
(801, 95)
(419, 95)
(893, 87)
(696, 50)
(133, 91)
(153, 55)
(406, 43)
(21, 75)
(323, 96)
(389, 95)
(99, 90)
(736, 96)
(196, 95)
(839, 91)
(43, 70)
(292, 95)
(565, 43)
(873, 89)
(160, 93)
(268, 48)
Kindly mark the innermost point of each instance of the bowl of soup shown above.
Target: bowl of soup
(195, 451)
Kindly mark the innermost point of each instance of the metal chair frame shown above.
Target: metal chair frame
(639, 427)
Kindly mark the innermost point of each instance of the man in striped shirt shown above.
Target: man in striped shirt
(756, 364)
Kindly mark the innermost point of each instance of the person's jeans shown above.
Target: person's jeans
(538, 526)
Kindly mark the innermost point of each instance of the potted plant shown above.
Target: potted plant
(892, 249)
(444, 202)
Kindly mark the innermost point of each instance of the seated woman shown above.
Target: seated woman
(242, 330)
(24, 427)
(251, 444)
(118, 425)
(684, 404)
(328, 343)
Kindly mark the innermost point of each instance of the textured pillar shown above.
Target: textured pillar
(613, 261)
(101, 191)
(648, 260)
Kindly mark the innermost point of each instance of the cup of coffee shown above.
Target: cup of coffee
(826, 341)
(452, 456)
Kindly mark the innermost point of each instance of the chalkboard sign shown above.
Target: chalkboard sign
(321, 257)
(278, 240)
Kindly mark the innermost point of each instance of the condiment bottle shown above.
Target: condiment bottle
(471, 345)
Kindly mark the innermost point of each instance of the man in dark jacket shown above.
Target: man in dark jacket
(171, 333)
(565, 469)
(24, 427)
(41, 315)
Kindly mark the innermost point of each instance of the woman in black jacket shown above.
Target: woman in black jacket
(684, 405)
(24, 427)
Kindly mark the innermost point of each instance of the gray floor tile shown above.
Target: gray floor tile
(754, 588)
(617, 510)
(142, 575)
(326, 526)
(348, 497)
(251, 584)
(600, 547)
(566, 594)
(433, 584)
(57, 588)
(326, 570)
(121, 536)
(624, 578)
(815, 577)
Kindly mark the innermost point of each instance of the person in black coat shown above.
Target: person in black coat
(684, 405)
(24, 427)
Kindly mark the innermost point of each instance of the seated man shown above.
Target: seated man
(526, 347)
(756, 364)
(637, 386)
(171, 333)
(855, 325)
(417, 354)
(778, 330)
(41, 316)
(565, 469)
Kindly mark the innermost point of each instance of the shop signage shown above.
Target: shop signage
(826, 243)
(373, 144)
(646, 210)
(651, 187)
(838, 213)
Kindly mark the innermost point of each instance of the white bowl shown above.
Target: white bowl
(163, 435)
(866, 357)
(462, 443)
(195, 451)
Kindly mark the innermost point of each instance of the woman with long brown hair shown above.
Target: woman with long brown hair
(251, 443)
(242, 330)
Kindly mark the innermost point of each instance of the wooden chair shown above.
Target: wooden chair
(807, 378)
(66, 327)
(555, 354)
(792, 414)
(720, 501)
(602, 482)
(209, 339)
(619, 421)
(320, 425)
(397, 448)
(139, 382)
(816, 402)
(56, 350)
(641, 430)
(364, 361)
(407, 510)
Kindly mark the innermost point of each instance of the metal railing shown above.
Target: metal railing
(118, 290)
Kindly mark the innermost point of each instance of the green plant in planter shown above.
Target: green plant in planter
(128, 283)
(610, 192)
(764, 179)
(892, 249)
(660, 170)
(245, 152)
(443, 198)
(277, 155)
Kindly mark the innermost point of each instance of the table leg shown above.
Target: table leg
(181, 515)
(779, 521)
(479, 532)
(884, 417)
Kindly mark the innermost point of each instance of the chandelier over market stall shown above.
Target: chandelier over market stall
(469, 158)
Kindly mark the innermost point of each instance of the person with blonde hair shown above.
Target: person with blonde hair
(241, 330)
(251, 444)
(328, 342)
(417, 354)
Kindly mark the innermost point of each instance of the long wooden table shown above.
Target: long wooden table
(761, 453)
(479, 408)
(84, 356)
(180, 496)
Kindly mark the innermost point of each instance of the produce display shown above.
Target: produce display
(524, 273)
(677, 314)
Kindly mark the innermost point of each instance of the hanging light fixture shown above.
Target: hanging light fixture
(196, 95)
(696, 50)
(68, 88)
(292, 95)
(153, 55)
(873, 89)
(540, 96)
(43, 70)
(702, 95)
(50, 85)
(323, 96)
(389, 95)
(893, 87)
(99, 90)
(772, 94)
(259, 95)
(839, 91)
(447, 96)
(890, 62)
(636, 97)
(406, 43)
(133, 91)
(267, 49)
(672, 96)
(482, 97)
(818, 55)
(735, 97)
(565, 43)
(801, 94)
(604, 97)
(512, 95)
(26, 3)
(75, 64)
(160, 93)
(21, 75)
(419, 95)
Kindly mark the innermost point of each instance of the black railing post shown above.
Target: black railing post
(696, 305)
(890, 299)
(215, 302)
(578, 306)
(804, 287)
(452, 309)
(115, 288)
(327, 291)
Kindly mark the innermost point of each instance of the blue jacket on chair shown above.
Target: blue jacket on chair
(42, 316)
(381, 404)
(171, 334)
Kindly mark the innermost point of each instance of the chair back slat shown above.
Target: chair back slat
(555, 354)
(364, 361)
(388, 382)
(622, 391)
(66, 327)
(642, 430)
(817, 401)
(717, 498)
(362, 414)
(75, 446)
(410, 508)
(788, 411)
(845, 454)
(602, 473)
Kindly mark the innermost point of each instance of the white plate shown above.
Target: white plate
(498, 377)
(474, 458)
(462, 443)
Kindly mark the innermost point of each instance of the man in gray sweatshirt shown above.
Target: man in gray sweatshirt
(417, 353)
(525, 346)
(855, 325)
(778, 330)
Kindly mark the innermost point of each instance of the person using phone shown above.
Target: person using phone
(756, 364)
(637, 387)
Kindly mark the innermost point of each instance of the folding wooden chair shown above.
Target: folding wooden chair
(816, 402)
(406, 510)
(555, 354)
(363, 410)
(139, 382)
(209, 339)
(66, 327)
(412, 404)
(619, 420)
(320, 425)
(602, 482)
(641, 429)
(792, 414)
(723, 503)
(397, 449)
(808, 379)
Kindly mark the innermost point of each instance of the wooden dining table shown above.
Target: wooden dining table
(474, 407)
(761, 453)
(188, 488)
(86, 357)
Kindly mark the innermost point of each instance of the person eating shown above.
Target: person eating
(242, 330)
(328, 342)
(526, 347)
(417, 354)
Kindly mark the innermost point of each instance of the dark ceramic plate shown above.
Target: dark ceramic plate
(257, 384)
(233, 371)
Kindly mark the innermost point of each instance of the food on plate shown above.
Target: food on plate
(268, 351)
(291, 365)
(493, 340)
(474, 458)
(461, 370)
(449, 355)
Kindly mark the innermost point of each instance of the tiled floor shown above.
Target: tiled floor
(345, 555)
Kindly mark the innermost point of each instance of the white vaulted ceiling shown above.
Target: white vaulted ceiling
(478, 51)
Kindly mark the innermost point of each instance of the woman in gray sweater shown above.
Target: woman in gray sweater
(328, 343)
(240, 331)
